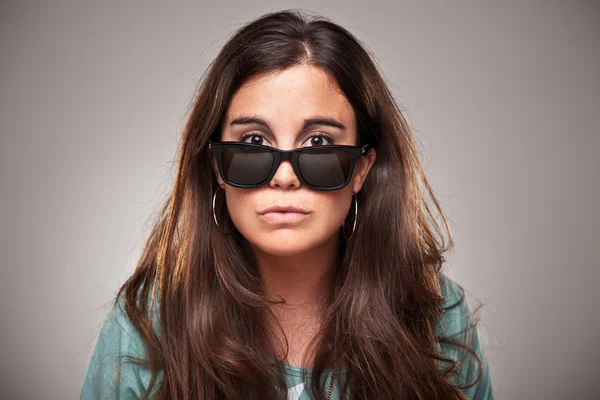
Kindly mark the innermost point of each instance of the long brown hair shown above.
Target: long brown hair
(207, 339)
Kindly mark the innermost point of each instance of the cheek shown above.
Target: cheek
(241, 208)
(332, 212)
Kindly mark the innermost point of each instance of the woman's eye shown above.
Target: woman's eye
(256, 139)
(318, 140)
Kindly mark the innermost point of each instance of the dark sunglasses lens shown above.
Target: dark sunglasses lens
(246, 165)
(324, 168)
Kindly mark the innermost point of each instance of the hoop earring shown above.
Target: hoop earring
(355, 218)
(215, 216)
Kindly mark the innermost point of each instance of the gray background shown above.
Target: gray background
(503, 97)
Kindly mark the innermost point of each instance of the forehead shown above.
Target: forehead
(289, 96)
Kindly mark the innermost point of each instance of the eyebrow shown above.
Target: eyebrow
(308, 123)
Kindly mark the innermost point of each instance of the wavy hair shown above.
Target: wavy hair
(202, 286)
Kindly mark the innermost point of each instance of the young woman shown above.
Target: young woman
(296, 257)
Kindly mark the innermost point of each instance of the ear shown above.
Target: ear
(213, 162)
(361, 170)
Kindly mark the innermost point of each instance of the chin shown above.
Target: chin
(282, 244)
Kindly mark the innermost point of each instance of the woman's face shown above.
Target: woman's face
(284, 100)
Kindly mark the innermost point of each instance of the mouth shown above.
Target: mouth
(285, 209)
(284, 217)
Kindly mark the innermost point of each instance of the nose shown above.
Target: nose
(285, 176)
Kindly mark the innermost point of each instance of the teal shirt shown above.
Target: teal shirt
(118, 337)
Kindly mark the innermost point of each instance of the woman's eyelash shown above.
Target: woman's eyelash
(318, 134)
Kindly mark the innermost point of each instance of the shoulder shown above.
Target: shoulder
(113, 371)
(458, 323)
(457, 313)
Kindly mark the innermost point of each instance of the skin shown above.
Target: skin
(296, 261)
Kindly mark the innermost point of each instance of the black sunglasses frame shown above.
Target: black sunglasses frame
(354, 154)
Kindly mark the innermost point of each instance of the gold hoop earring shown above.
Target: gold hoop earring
(215, 215)
(355, 218)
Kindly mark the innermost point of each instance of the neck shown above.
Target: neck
(302, 279)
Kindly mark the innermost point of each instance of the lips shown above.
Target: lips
(285, 209)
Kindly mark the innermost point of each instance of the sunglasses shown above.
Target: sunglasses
(248, 166)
